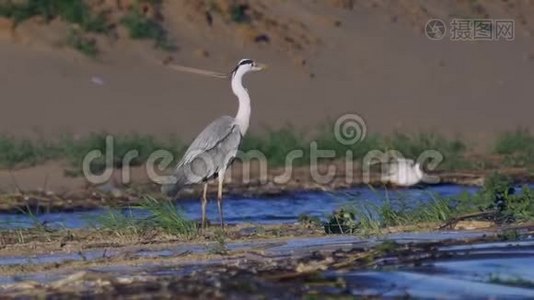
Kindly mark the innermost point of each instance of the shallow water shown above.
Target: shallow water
(259, 210)
(483, 271)
(467, 271)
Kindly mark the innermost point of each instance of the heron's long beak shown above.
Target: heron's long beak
(260, 67)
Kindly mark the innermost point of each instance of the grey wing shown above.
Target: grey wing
(211, 151)
(214, 134)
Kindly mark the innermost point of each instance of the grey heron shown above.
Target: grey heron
(213, 150)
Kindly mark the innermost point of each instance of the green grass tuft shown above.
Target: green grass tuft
(163, 216)
(166, 216)
(238, 13)
(517, 147)
(79, 41)
(219, 247)
(437, 210)
(120, 224)
(143, 27)
(22, 152)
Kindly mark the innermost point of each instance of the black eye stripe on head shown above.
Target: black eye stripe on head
(245, 62)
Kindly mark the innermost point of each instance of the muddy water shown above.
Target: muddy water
(274, 210)
(451, 272)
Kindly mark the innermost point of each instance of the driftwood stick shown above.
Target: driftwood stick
(454, 221)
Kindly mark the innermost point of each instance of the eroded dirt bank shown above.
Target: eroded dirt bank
(47, 188)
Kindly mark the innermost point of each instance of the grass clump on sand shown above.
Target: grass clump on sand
(496, 202)
(82, 43)
(517, 147)
(163, 216)
(24, 152)
(72, 11)
(219, 247)
(140, 25)
(238, 13)
(231, 10)
(75, 12)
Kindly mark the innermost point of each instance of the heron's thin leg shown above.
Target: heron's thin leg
(204, 202)
(219, 199)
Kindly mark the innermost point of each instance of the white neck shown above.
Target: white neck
(243, 113)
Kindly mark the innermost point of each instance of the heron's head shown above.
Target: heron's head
(247, 65)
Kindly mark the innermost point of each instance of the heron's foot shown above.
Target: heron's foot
(202, 225)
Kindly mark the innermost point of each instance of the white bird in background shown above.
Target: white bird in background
(213, 150)
(403, 172)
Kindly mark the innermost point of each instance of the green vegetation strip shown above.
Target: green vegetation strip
(515, 148)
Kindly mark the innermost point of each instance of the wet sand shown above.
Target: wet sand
(253, 266)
